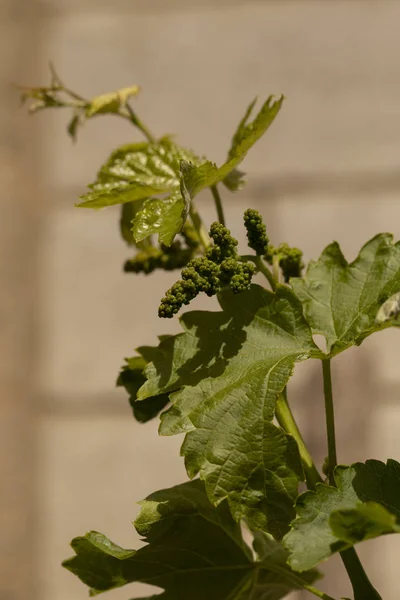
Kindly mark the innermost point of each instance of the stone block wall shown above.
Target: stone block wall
(72, 457)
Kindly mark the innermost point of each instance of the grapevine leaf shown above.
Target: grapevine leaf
(178, 524)
(128, 213)
(163, 216)
(119, 193)
(112, 102)
(208, 174)
(341, 300)
(231, 365)
(137, 171)
(365, 504)
(243, 130)
(365, 522)
(132, 377)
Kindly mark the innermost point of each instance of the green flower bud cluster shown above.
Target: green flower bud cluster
(256, 232)
(168, 258)
(220, 266)
(289, 260)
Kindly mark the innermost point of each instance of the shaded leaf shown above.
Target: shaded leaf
(365, 522)
(128, 213)
(132, 378)
(341, 300)
(231, 366)
(365, 504)
(178, 525)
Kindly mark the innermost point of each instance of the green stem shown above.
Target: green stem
(330, 419)
(275, 268)
(80, 99)
(317, 592)
(287, 421)
(262, 267)
(139, 124)
(362, 587)
(218, 204)
(199, 227)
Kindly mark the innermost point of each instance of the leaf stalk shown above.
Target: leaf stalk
(362, 587)
(287, 421)
(330, 419)
(262, 267)
(218, 204)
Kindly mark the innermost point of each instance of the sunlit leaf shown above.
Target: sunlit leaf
(248, 133)
(341, 300)
(226, 371)
(111, 102)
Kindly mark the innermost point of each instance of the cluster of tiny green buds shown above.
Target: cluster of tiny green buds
(256, 232)
(289, 260)
(236, 274)
(220, 266)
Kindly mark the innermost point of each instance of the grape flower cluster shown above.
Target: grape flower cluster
(219, 267)
(288, 259)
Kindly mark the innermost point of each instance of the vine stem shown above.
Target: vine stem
(287, 421)
(218, 204)
(262, 267)
(199, 227)
(330, 419)
(138, 123)
(362, 587)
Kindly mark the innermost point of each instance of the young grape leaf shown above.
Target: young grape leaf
(365, 504)
(132, 377)
(111, 102)
(129, 211)
(341, 300)
(193, 550)
(164, 217)
(137, 171)
(198, 177)
(231, 365)
(365, 522)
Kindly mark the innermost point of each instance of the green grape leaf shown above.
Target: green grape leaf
(208, 174)
(128, 213)
(138, 171)
(365, 522)
(365, 504)
(164, 217)
(132, 377)
(342, 300)
(112, 102)
(178, 525)
(243, 130)
(231, 365)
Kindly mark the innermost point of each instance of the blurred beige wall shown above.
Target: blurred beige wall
(72, 458)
